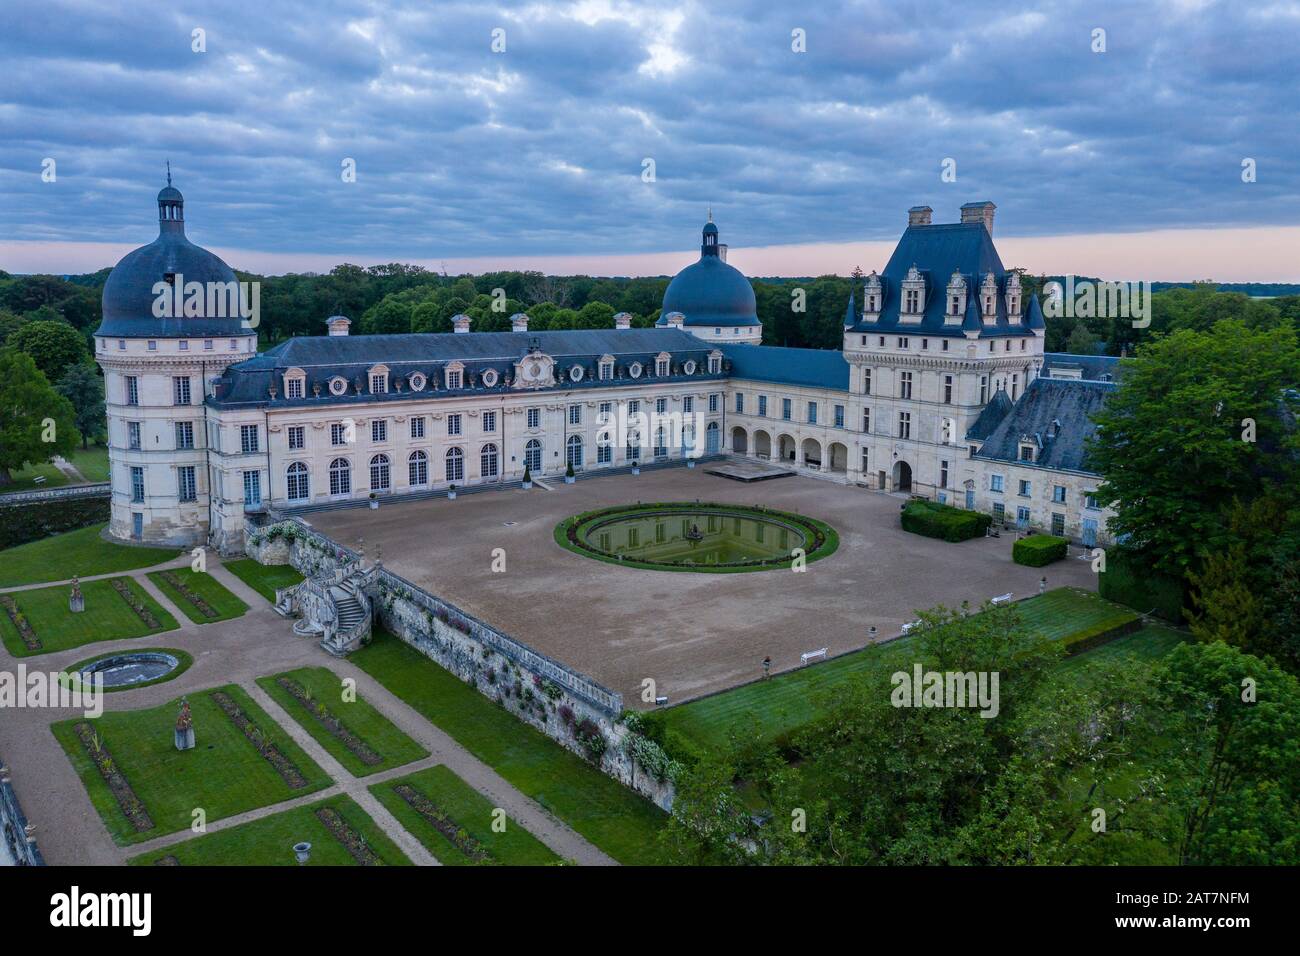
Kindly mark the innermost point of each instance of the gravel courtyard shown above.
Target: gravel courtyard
(692, 633)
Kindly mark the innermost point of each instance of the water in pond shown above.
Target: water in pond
(695, 538)
(123, 670)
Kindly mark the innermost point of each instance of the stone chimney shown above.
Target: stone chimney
(919, 216)
(460, 322)
(979, 212)
(338, 324)
(674, 320)
(623, 320)
(518, 322)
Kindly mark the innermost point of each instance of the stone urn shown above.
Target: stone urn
(76, 600)
(451, 493)
(184, 727)
(690, 462)
(636, 469)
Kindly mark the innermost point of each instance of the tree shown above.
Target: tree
(52, 344)
(82, 386)
(1081, 340)
(1199, 419)
(36, 422)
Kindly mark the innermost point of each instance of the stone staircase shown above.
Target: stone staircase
(332, 607)
(350, 612)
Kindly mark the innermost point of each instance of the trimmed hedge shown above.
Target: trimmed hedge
(943, 521)
(1130, 580)
(33, 520)
(1104, 633)
(1038, 550)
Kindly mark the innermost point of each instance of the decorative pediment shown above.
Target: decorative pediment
(535, 370)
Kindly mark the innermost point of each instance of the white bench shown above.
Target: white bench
(38, 480)
(807, 656)
(1002, 599)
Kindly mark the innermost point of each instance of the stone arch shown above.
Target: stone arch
(739, 441)
(810, 454)
(838, 453)
(762, 444)
(787, 448)
(902, 476)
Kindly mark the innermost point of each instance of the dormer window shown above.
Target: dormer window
(294, 387)
(956, 296)
(913, 296)
(489, 378)
(1013, 297)
(689, 367)
(417, 381)
(989, 299)
(1026, 451)
(454, 375)
(715, 363)
(634, 370)
(378, 380)
(872, 295)
(606, 370)
(338, 385)
(662, 362)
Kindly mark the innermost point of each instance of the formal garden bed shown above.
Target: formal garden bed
(200, 596)
(127, 802)
(339, 831)
(454, 822)
(261, 740)
(354, 733)
(223, 775)
(115, 609)
(83, 552)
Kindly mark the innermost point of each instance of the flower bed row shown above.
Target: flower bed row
(204, 608)
(20, 622)
(131, 806)
(137, 605)
(359, 748)
(352, 841)
(444, 824)
(290, 774)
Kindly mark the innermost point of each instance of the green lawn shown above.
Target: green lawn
(208, 589)
(107, 617)
(25, 478)
(1149, 644)
(264, 578)
(81, 552)
(182, 656)
(92, 462)
(368, 725)
(270, 840)
(223, 775)
(604, 811)
(470, 814)
(790, 700)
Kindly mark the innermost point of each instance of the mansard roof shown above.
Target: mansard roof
(1055, 415)
(938, 250)
(991, 417)
(349, 357)
(1095, 368)
(818, 368)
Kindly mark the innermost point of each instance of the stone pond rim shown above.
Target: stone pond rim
(815, 537)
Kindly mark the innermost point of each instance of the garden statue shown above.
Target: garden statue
(76, 601)
(184, 727)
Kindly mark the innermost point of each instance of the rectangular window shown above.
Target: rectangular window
(903, 343)
(297, 437)
(762, 406)
(489, 421)
(905, 385)
(999, 513)
(338, 434)
(453, 379)
(153, 345)
(132, 390)
(604, 452)
(713, 402)
(984, 389)
(137, 484)
(378, 384)
(787, 410)
(185, 483)
(453, 424)
(207, 345)
(995, 483)
(252, 488)
(740, 403)
(1026, 452)
(633, 407)
(379, 429)
(1090, 501)
(661, 405)
(293, 388)
(947, 389)
(866, 420)
(839, 416)
(866, 462)
(180, 391)
(812, 413)
(688, 404)
(417, 426)
(234, 344)
(1024, 489)
(1022, 517)
(133, 435)
(1058, 494)
(866, 381)
(575, 414)
(184, 434)
(943, 474)
(1058, 524)
(185, 346)
(534, 418)
(904, 424)
(248, 439)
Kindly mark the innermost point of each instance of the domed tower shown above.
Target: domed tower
(173, 321)
(715, 300)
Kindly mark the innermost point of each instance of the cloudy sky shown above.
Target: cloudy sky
(530, 147)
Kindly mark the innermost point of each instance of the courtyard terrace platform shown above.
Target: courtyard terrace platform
(692, 633)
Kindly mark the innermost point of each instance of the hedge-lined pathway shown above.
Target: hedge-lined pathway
(69, 829)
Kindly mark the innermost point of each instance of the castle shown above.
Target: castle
(942, 388)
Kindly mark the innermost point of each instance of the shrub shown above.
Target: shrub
(1130, 580)
(1038, 550)
(943, 521)
(31, 521)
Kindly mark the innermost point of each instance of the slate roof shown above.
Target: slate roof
(820, 368)
(1092, 367)
(1053, 414)
(324, 357)
(937, 251)
(991, 417)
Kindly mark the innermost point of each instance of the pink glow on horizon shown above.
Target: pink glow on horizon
(1265, 254)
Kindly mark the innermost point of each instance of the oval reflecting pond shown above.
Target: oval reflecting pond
(695, 538)
(122, 670)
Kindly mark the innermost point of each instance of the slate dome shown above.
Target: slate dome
(710, 292)
(128, 293)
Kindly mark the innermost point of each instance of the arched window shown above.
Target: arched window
(340, 477)
(533, 455)
(417, 466)
(488, 461)
(455, 464)
(712, 439)
(379, 476)
(573, 452)
(297, 481)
